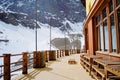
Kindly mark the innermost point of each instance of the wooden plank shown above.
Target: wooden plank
(100, 71)
(87, 62)
(113, 78)
(114, 69)
(87, 68)
(94, 75)
(106, 62)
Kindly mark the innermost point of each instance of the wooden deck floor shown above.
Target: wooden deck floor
(58, 70)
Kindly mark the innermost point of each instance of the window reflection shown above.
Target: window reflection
(98, 19)
(104, 13)
(101, 37)
(118, 2)
(98, 35)
(113, 33)
(111, 6)
(106, 36)
(118, 12)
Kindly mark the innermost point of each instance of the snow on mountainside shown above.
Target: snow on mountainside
(17, 23)
(59, 10)
(22, 39)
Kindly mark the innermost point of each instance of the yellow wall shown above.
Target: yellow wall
(89, 4)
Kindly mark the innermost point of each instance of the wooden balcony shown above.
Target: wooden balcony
(57, 70)
(43, 65)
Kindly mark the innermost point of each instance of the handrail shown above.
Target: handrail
(16, 54)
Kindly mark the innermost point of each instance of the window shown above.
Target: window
(104, 13)
(98, 36)
(98, 19)
(101, 37)
(118, 12)
(118, 2)
(106, 40)
(111, 6)
(106, 21)
(113, 33)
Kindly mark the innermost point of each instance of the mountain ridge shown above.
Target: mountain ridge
(24, 12)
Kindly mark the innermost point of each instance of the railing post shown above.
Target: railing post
(42, 59)
(25, 62)
(38, 59)
(35, 59)
(66, 53)
(63, 53)
(52, 55)
(7, 75)
(47, 56)
(58, 54)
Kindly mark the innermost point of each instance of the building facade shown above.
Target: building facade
(102, 27)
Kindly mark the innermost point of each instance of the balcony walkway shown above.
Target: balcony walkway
(58, 70)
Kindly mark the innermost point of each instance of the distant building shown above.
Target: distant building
(102, 27)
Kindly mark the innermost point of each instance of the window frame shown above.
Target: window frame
(116, 25)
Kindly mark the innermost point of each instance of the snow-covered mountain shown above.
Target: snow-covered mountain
(24, 12)
(17, 23)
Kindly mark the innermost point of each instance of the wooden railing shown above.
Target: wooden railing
(29, 60)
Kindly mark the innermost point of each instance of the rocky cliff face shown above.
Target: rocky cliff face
(24, 12)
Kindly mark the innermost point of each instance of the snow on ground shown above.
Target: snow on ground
(22, 39)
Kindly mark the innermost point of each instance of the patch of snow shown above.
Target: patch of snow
(8, 5)
(9, 11)
(20, 4)
(77, 12)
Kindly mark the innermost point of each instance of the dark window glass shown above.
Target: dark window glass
(98, 19)
(101, 38)
(98, 35)
(113, 33)
(111, 6)
(118, 12)
(106, 40)
(118, 2)
(104, 13)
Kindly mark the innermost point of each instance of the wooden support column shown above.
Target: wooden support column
(86, 40)
(7, 75)
(25, 62)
